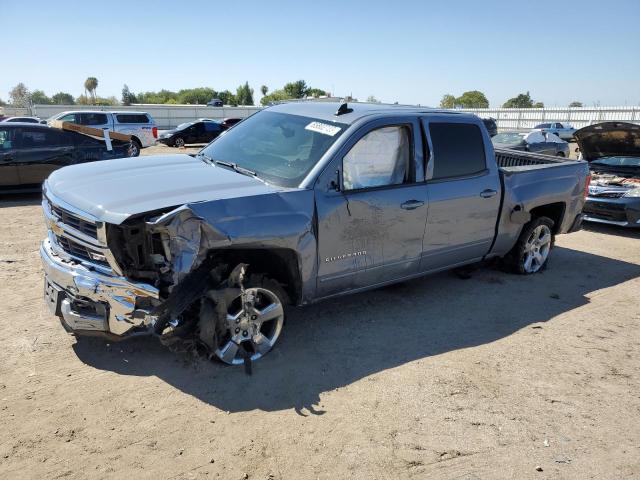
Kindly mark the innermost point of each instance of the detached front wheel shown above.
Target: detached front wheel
(531, 252)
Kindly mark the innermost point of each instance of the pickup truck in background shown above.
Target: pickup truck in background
(297, 203)
(140, 125)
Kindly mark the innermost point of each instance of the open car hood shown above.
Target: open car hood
(609, 139)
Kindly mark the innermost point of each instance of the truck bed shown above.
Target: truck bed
(515, 161)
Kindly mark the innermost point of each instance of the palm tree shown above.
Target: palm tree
(264, 89)
(91, 83)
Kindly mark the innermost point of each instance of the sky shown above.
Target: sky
(410, 52)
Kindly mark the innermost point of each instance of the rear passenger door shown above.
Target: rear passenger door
(463, 187)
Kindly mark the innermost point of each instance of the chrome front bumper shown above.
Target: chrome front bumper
(90, 301)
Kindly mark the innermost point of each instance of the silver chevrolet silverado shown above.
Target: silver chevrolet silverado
(298, 203)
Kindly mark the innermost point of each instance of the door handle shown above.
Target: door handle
(488, 193)
(412, 204)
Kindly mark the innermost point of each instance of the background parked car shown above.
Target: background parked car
(201, 131)
(140, 125)
(229, 122)
(536, 141)
(613, 152)
(491, 125)
(30, 152)
(563, 130)
(22, 119)
(215, 102)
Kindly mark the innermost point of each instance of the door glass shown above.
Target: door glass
(69, 118)
(379, 158)
(458, 149)
(40, 138)
(6, 138)
(93, 119)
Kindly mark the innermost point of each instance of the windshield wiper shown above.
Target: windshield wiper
(235, 167)
(205, 158)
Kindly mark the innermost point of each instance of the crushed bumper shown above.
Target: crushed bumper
(622, 212)
(91, 302)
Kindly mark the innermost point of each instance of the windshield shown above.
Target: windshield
(280, 148)
(633, 162)
(182, 126)
(509, 138)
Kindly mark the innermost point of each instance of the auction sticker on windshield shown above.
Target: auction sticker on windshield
(323, 128)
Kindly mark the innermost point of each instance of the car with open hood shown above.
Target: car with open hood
(613, 152)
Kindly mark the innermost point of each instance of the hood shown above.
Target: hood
(609, 139)
(113, 190)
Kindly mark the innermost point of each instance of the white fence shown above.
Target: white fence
(526, 118)
(166, 116)
(169, 116)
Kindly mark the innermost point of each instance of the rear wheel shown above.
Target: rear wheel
(560, 154)
(178, 142)
(531, 252)
(134, 148)
(253, 323)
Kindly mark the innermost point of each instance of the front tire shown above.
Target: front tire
(531, 252)
(251, 327)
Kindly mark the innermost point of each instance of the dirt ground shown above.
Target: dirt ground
(482, 378)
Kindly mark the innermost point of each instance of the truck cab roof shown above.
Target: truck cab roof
(355, 111)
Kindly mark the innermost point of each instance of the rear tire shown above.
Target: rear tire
(560, 154)
(531, 252)
(135, 148)
(178, 142)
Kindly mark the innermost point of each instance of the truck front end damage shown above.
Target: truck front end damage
(153, 272)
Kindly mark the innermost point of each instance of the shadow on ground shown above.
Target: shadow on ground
(333, 344)
(611, 230)
(20, 199)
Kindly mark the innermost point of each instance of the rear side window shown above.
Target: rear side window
(543, 125)
(212, 127)
(93, 118)
(41, 138)
(458, 149)
(132, 118)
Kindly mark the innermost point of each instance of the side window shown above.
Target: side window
(40, 138)
(6, 138)
(458, 149)
(544, 125)
(558, 125)
(211, 126)
(93, 118)
(381, 157)
(132, 118)
(71, 117)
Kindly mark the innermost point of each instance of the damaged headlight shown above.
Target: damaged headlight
(633, 193)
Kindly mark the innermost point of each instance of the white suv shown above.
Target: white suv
(140, 125)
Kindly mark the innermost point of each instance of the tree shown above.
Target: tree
(316, 92)
(296, 89)
(372, 99)
(575, 103)
(227, 97)
(196, 96)
(472, 99)
(19, 95)
(62, 98)
(538, 105)
(2, 103)
(521, 101)
(38, 97)
(90, 85)
(244, 94)
(448, 101)
(264, 89)
(275, 96)
(127, 97)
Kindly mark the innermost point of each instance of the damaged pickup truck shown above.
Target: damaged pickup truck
(300, 202)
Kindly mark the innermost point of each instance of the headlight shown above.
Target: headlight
(633, 193)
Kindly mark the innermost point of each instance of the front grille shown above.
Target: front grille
(84, 226)
(80, 251)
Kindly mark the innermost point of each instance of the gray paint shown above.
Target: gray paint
(344, 241)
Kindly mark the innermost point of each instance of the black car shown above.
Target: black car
(29, 152)
(22, 120)
(202, 131)
(229, 122)
(215, 102)
(613, 152)
(491, 125)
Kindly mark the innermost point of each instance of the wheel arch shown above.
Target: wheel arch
(280, 264)
(554, 211)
